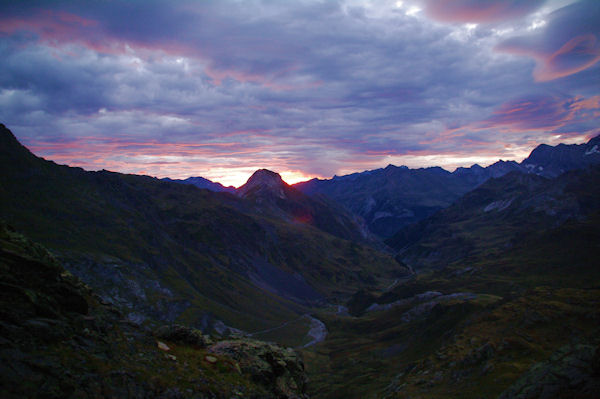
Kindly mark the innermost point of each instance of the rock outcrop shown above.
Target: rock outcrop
(572, 372)
(59, 340)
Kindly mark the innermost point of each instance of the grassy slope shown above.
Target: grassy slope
(57, 340)
(198, 243)
(532, 298)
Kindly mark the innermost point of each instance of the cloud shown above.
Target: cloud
(569, 42)
(531, 113)
(209, 88)
(476, 11)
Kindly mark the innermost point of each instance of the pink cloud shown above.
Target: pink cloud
(576, 55)
(56, 28)
(540, 112)
(569, 43)
(477, 11)
(50, 25)
(90, 147)
(530, 114)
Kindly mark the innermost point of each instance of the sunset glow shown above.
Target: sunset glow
(305, 88)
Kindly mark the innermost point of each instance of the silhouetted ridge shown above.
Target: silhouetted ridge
(12, 152)
(201, 182)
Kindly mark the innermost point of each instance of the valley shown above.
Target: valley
(391, 283)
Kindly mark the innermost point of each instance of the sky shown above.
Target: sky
(307, 88)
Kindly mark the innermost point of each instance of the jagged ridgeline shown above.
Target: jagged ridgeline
(392, 198)
(173, 252)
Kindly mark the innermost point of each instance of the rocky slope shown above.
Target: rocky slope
(550, 161)
(59, 340)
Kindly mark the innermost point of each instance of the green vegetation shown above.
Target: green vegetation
(58, 341)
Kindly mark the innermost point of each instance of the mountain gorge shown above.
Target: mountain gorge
(504, 303)
(173, 252)
(486, 285)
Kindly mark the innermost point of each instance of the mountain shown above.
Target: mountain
(475, 175)
(497, 215)
(59, 340)
(550, 161)
(392, 197)
(505, 302)
(389, 199)
(264, 184)
(271, 195)
(168, 252)
(201, 182)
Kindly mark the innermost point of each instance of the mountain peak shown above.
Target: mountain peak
(263, 180)
(7, 138)
(11, 150)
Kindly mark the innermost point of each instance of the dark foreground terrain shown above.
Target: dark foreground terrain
(127, 286)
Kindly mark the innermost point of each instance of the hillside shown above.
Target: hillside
(58, 339)
(513, 316)
(497, 215)
(172, 252)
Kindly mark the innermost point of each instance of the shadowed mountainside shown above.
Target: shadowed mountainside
(514, 315)
(394, 197)
(497, 215)
(171, 252)
(271, 194)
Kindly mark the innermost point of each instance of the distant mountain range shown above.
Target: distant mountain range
(389, 199)
(393, 197)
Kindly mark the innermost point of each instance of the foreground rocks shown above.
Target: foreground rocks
(572, 372)
(59, 340)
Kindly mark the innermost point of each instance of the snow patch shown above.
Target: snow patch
(382, 214)
(593, 150)
(498, 205)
